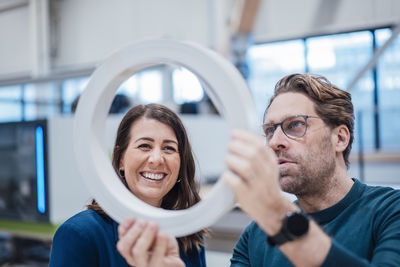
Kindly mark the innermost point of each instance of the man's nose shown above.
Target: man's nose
(279, 140)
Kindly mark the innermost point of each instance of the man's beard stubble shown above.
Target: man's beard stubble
(314, 171)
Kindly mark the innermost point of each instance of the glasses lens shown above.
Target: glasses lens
(295, 126)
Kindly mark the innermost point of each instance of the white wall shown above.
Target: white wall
(89, 30)
(84, 32)
(15, 56)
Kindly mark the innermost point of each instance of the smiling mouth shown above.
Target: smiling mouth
(153, 176)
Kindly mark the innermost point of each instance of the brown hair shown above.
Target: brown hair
(185, 193)
(332, 104)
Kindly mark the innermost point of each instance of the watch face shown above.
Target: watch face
(297, 224)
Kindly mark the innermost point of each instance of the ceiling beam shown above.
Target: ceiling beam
(7, 5)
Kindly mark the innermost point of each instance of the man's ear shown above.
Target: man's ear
(341, 136)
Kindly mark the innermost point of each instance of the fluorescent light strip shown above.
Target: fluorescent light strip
(40, 170)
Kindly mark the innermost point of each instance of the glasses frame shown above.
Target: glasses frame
(275, 125)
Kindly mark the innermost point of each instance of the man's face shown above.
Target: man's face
(307, 163)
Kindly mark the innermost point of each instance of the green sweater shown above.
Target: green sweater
(364, 226)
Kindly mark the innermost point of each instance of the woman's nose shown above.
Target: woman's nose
(156, 157)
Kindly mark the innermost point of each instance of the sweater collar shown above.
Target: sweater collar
(328, 214)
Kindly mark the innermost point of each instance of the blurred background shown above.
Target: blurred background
(49, 48)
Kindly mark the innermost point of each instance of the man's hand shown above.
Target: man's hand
(254, 177)
(142, 246)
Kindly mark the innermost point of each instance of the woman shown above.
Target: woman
(153, 159)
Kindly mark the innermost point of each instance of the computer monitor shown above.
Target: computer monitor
(23, 171)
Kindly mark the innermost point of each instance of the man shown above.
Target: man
(337, 221)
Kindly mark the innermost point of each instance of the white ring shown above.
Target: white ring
(227, 90)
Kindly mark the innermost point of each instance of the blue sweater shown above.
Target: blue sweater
(364, 226)
(87, 239)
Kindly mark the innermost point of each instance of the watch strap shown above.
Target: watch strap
(278, 239)
(285, 234)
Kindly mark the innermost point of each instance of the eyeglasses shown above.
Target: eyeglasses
(293, 127)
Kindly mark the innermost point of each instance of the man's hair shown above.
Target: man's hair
(332, 104)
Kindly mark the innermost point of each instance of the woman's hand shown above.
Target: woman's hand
(142, 246)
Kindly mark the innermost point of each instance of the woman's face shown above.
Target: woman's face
(151, 161)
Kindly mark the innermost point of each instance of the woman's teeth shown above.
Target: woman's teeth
(153, 176)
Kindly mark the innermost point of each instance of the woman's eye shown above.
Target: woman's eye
(170, 149)
(144, 146)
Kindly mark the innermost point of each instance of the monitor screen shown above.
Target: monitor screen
(23, 171)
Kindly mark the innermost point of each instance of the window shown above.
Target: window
(150, 86)
(187, 88)
(270, 62)
(10, 102)
(338, 57)
(71, 90)
(388, 69)
(29, 96)
(144, 87)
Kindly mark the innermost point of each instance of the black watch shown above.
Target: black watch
(295, 225)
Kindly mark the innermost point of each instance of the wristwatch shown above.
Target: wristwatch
(295, 225)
